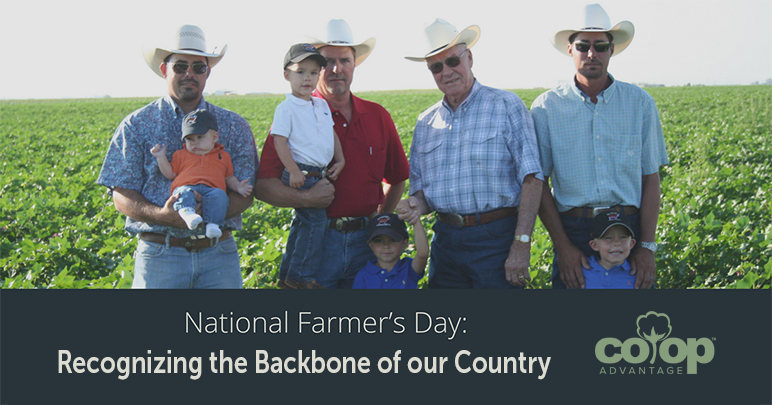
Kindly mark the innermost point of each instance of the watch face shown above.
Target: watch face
(525, 238)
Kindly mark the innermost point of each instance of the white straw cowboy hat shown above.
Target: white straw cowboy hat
(596, 20)
(339, 34)
(187, 40)
(442, 35)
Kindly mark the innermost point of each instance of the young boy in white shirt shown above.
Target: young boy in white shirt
(306, 144)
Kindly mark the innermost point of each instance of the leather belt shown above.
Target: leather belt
(192, 244)
(591, 212)
(314, 174)
(471, 220)
(349, 224)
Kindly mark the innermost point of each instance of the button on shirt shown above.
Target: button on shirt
(474, 159)
(616, 277)
(402, 276)
(129, 164)
(596, 154)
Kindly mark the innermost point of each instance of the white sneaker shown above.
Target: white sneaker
(213, 231)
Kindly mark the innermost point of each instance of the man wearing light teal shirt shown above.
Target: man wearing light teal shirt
(601, 144)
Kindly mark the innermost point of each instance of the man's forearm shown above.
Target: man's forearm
(650, 200)
(550, 216)
(274, 192)
(238, 204)
(393, 193)
(530, 197)
(135, 206)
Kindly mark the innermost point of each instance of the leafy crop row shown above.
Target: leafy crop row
(58, 229)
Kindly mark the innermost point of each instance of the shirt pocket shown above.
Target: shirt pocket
(487, 151)
(430, 156)
(626, 154)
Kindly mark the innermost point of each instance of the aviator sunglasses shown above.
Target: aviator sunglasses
(452, 62)
(600, 47)
(199, 68)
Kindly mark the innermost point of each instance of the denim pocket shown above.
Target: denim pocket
(149, 249)
(227, 246)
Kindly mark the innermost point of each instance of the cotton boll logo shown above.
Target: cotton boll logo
(654, 329)
(657, 322)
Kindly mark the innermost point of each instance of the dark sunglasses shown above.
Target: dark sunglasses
(199, 68)
(600, 47)
(452, 62)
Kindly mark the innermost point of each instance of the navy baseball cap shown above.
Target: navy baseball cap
(198, 122)
(605, 220)
(300, 52)
(389, 225)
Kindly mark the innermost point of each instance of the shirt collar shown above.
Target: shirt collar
(167, 100)
(357, 105)
(604, 97)
(623, 267)
(297, 100)
(475, 89)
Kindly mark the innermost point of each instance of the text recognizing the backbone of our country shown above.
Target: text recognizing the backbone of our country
(263, 361)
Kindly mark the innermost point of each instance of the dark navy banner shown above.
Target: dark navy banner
(532, 347)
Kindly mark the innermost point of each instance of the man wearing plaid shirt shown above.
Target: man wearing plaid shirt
(474, 160)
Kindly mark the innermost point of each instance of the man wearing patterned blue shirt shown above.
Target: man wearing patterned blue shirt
(169, 255)
(474, 160)
(601, 144)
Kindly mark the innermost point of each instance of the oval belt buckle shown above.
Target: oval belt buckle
(458, 219)
(339, 224)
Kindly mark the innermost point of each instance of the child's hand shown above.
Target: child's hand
(158, 151)
(335, 170)
(244, 188)
(297, 179)
(407, 210)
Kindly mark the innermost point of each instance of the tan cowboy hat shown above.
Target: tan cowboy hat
(442, 35)
(339, 34)
(187, 40)
(596, 20)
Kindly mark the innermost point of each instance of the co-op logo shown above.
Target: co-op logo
(654, 342)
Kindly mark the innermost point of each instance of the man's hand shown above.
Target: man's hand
(320, 195)
(643, 266)
(570, 264)
(516, 266)
(408, 210)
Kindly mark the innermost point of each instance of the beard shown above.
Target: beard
(592, 71)
(186, 93)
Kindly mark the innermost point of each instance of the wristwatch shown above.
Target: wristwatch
(523, 238)
(650, 246)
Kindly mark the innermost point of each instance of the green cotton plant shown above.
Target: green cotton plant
(59, 229)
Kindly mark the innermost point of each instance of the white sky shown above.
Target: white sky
(61, 49)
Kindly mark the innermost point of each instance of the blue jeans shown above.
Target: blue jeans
(473, 256)
(161, 266)
(578, 231)
(307, 245)
(344, 254)
(213, 200)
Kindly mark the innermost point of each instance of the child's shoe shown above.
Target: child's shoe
(213, 231)
(190, 217)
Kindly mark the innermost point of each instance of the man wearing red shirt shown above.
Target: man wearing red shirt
(376, 167)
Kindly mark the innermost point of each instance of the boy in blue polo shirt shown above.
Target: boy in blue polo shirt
(612, 238)
(388, 239)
